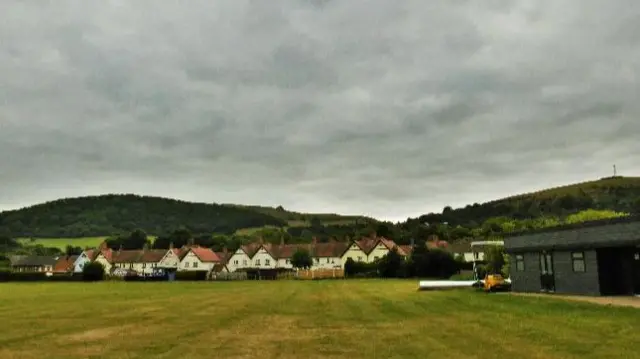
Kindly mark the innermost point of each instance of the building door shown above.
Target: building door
(636, 266)
(547, 277)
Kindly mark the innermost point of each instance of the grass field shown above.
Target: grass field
(292, 319)
(63, 242)
(91, 242)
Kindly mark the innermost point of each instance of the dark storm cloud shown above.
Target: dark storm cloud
(383, 108)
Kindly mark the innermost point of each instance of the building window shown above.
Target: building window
(186, 264)
(244, 262)
(359, 259)
(267, 262)
(257, 262)
(235, 262)
(288, 261)
(519, 263)
(577, 259)
(144, 265)
(317, 260)
(327, 260)
(195, 264)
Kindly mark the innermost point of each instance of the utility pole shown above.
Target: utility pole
(615, 172)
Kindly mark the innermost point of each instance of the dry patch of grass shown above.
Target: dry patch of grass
(624, 301)
(302, 319)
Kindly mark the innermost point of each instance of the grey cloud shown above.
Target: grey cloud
(383, 108)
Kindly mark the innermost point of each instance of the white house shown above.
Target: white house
(198, 259)
(239, 259)
(171, 259)
(84, 258)
(263, 257)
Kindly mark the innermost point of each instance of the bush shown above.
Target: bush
(191, 276)
(93, 272)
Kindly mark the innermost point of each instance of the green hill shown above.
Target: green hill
(110, 214)
(620, 194)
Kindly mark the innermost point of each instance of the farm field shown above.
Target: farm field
(62, 243)
(295, 319)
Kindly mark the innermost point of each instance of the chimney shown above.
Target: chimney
(171, 245)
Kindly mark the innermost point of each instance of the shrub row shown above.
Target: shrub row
(7, 276)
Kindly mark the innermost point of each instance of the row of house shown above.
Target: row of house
(260, 255)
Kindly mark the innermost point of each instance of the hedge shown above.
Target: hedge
(191, 276)
(7, 276)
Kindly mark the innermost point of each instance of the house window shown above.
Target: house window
(317, 260)
(519, 263)
(266, 262)
(186, 264)
(235, 262)
(195, 264)
(577, 259)
(130, 265)
(257, 262)
(327, 260)
(359, 259)
(288, 261)
(144, 265)
(244, 262)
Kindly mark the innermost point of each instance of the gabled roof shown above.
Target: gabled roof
(65, 264)
(205, 254)
(224, 256)
(367, 245)
(329, 249)
(407, 249)
(152, 255)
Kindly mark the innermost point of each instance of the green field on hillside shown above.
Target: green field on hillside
(295, 319)
(62, 243)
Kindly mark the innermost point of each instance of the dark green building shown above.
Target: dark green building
(592, 258)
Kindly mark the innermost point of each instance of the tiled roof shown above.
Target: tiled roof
(287, 250)
(329, 249)
(224, 256)
(152, 255)
(126, 256)
(205, 254)
(407, 249)
(64, 264)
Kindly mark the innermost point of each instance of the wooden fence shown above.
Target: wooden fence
(229, 276)
(320, 273)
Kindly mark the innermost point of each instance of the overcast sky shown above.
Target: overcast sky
(385, 108)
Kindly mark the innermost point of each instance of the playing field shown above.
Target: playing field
(296, 319)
